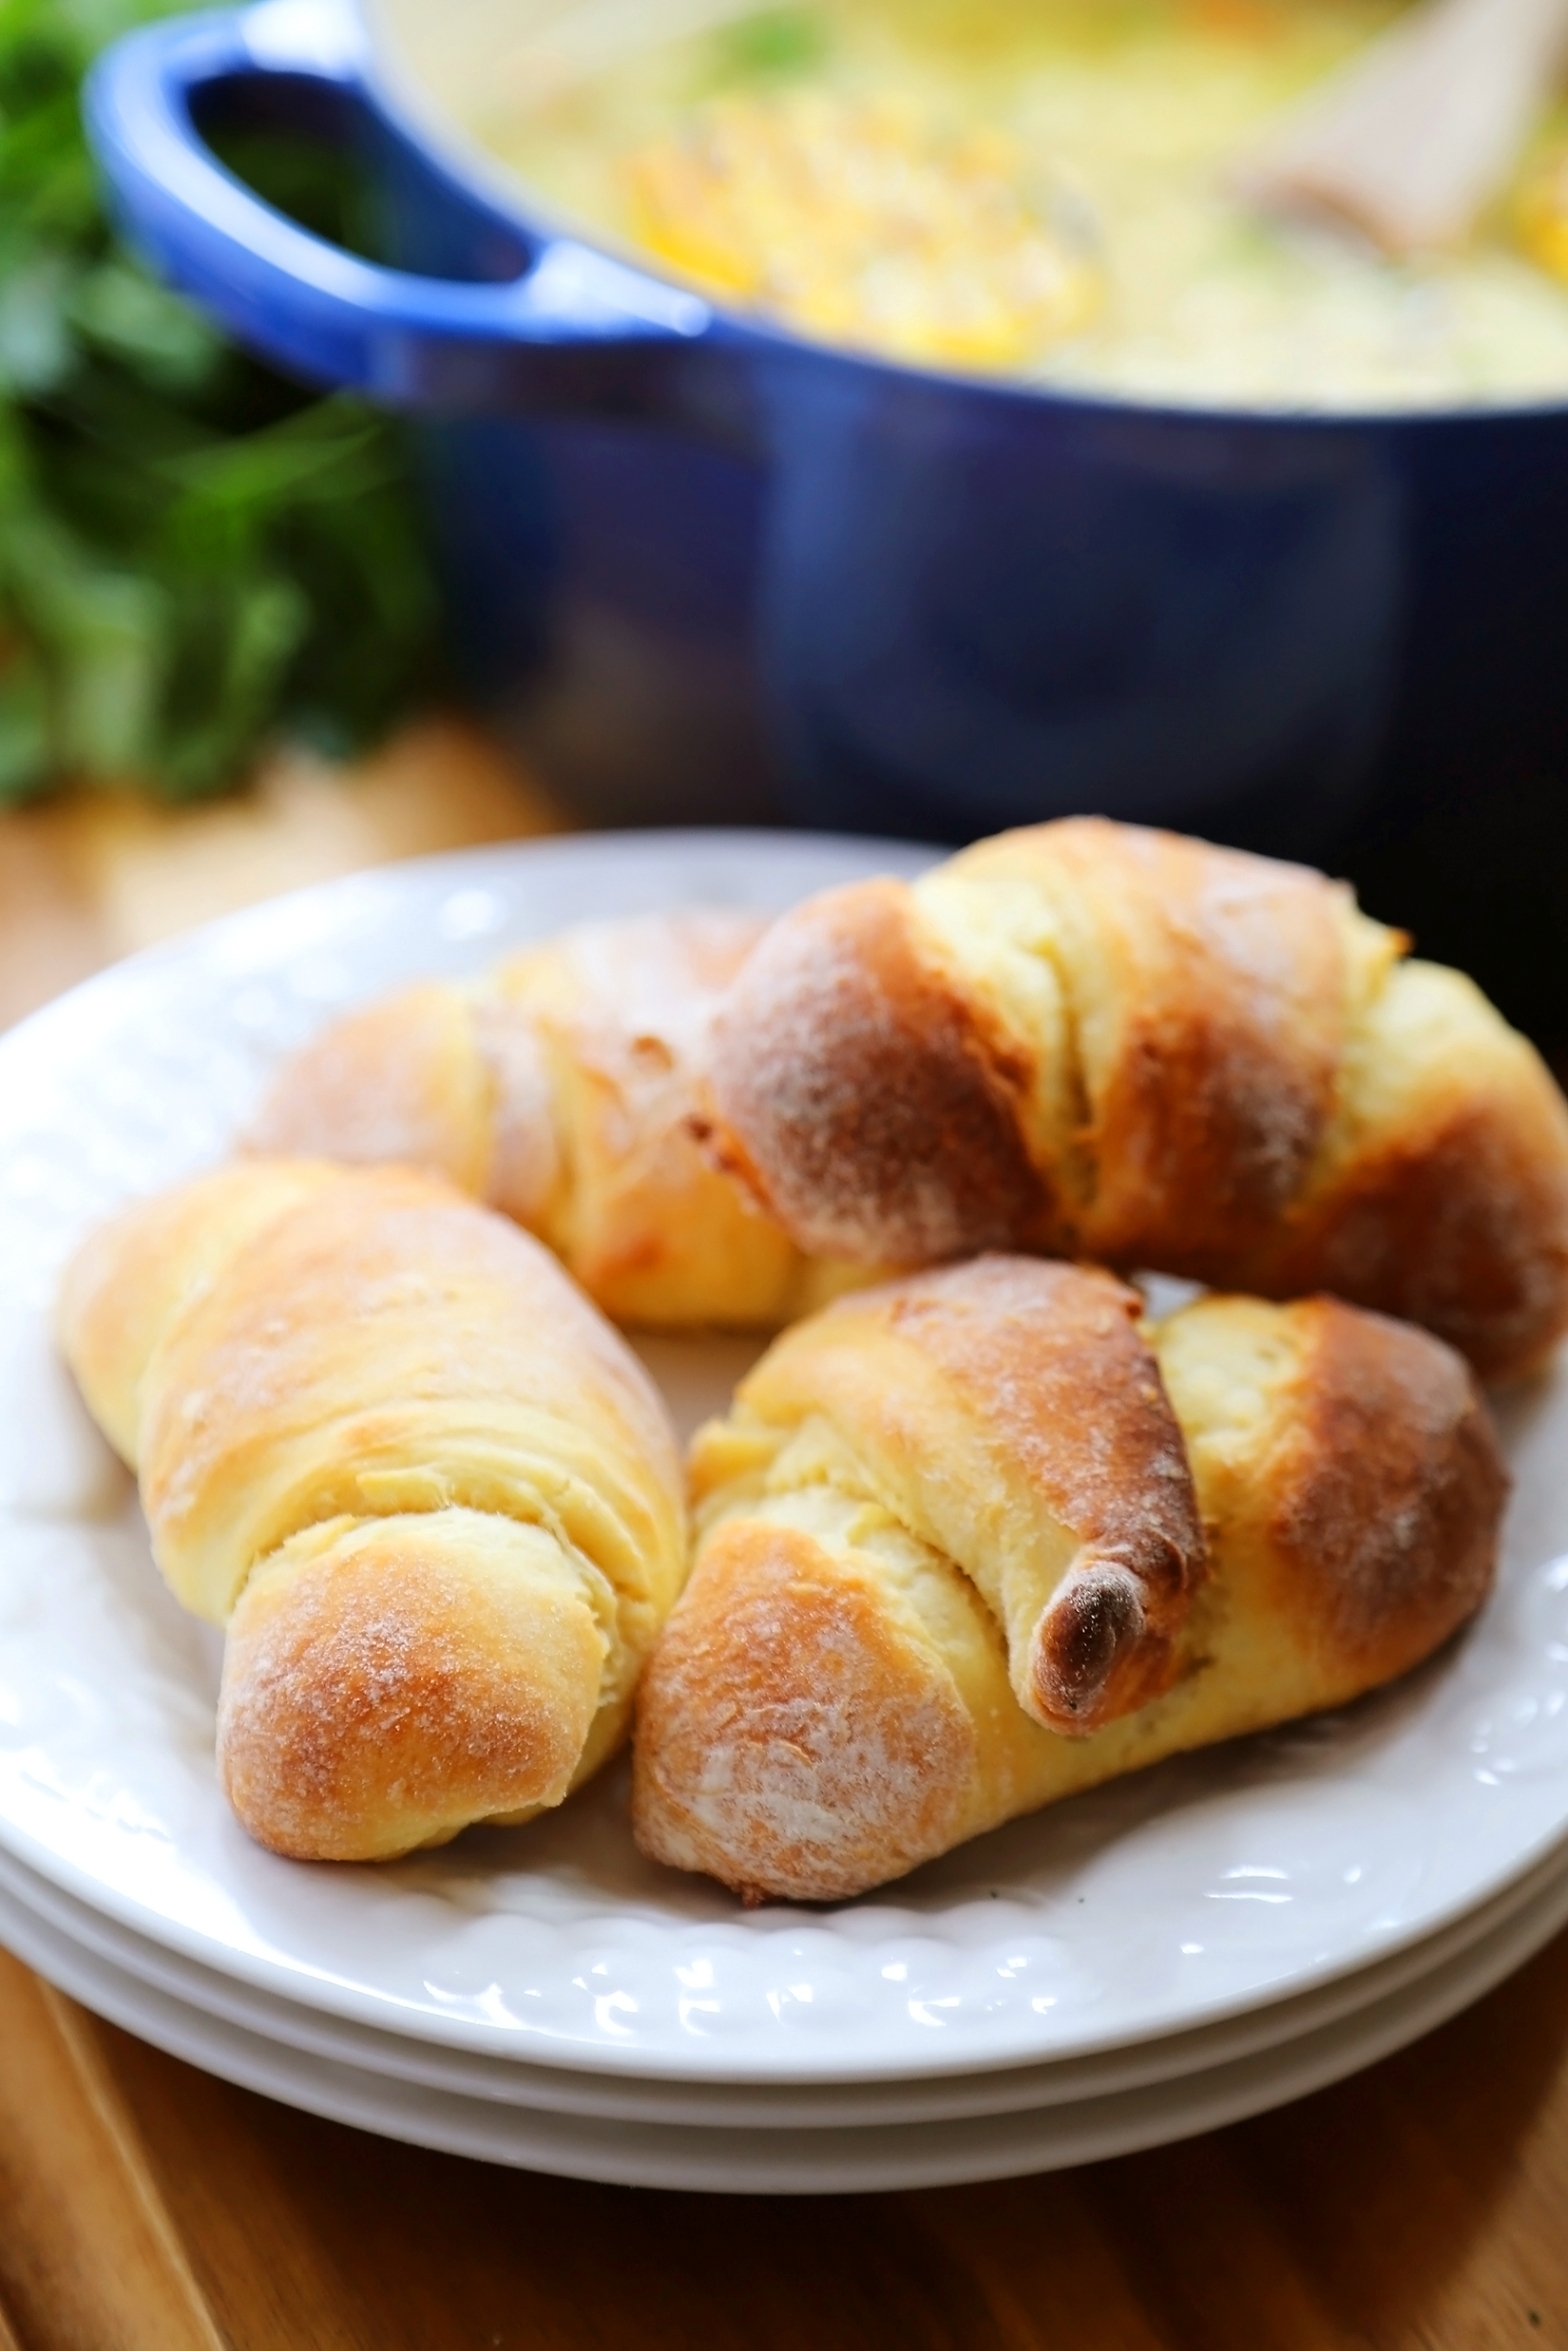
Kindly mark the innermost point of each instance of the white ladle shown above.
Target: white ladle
(1413, 140)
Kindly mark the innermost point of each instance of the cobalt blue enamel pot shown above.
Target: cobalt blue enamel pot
(705, 568)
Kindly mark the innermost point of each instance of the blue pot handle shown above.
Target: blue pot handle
(318, 311)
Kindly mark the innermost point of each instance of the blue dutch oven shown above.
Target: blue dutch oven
(705, 567)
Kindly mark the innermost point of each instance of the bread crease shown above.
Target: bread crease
(1106, 1042)
(836, 1697)
(428, 1491)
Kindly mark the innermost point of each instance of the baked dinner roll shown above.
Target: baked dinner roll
(914, 1501)
(429, 1492)
(1094, 1040)
(561, 1088)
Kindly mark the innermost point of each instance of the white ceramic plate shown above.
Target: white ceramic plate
(785, 2162)
(1159, 1905)
(771, 2106)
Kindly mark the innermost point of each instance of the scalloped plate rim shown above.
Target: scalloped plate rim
(75, 1025)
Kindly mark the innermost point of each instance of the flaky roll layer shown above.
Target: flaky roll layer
(1099, 1041)
(1297, 1503)
(561, 1088)
(431, 1494)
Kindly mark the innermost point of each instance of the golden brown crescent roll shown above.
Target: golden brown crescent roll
(1094, 1040)
(911, 1494)
(561, 1089)
(427, 1489)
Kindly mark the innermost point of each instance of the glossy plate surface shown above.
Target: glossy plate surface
(811, 2161)
(787, 2106)
(1164, 1903)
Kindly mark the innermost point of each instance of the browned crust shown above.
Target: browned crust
(1462, 1228)
(866, 1093)
(871, 1106)
(1386, 1498)
(379, 1700)
(793, 1739)
(1051, 1359)
(799, 1736)
(1227, 986)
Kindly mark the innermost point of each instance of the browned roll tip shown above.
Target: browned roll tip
(1093, 1653)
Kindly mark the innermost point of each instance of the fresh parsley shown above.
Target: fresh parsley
(194, 555)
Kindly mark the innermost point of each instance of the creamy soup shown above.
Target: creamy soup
(1042, 188)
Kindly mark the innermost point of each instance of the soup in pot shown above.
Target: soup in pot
(1038, 188)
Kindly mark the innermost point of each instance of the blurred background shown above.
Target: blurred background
(221, 669)
(222, 664)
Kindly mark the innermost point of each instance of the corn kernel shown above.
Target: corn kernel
(863, 221)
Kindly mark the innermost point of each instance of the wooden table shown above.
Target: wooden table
(145, 2207)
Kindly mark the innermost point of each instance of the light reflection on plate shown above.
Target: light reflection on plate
(1186, 1894)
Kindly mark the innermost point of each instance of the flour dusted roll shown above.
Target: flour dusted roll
(1089, 1039)
(912, 1485)
(561, 1088)
(429, 1492)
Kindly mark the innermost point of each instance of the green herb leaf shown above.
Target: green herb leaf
(771, 46)
(195, 555)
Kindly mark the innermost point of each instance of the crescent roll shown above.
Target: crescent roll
(975, 1541)
(1097, 1041)
(561, 1089)
(428, 1491)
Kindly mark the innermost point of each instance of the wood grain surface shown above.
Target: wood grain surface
(1421, 2207)
(147, 2207)
(89, 878)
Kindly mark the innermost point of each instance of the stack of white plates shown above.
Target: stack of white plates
(1169, 1953)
